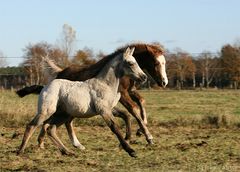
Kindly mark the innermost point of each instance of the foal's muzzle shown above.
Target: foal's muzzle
(143, 78)
(164, 84)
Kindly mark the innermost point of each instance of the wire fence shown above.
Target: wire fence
(168, 54)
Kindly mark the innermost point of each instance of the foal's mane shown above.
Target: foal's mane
(86, 72)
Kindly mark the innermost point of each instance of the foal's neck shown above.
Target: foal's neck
(110, 73)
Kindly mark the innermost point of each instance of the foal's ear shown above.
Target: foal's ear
(127, 52)
(132, 51)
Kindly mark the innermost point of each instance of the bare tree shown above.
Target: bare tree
(67, 42)
(32, 62)
(3, 61)
(181, 67)
(207, 66)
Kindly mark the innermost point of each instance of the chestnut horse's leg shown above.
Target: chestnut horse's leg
(134, 110)
(140, 101)
(109, 119)
(136, 97)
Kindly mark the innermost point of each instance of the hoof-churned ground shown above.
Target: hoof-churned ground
(192, 130)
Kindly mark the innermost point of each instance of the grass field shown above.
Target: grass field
(192, 130)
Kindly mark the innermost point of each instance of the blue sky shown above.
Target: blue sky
(192, 25)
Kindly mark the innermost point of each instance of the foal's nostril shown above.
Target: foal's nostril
(143, 77)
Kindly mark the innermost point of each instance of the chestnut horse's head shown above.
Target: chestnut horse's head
(151, 59)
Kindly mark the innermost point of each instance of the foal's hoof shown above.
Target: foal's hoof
(150, 142)
(80, 146)
(133, 154)
(19, 151)
(139, 132)
(41, 146)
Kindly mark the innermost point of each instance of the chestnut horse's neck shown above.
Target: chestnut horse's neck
(78, 73)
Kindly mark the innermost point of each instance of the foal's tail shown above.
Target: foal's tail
(34, 89)
(50, 68)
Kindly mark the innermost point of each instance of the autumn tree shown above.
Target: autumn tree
(230, 57)
(58, 56)
(33, 60)
(84, 57)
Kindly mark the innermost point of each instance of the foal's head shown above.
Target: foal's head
(130, 66)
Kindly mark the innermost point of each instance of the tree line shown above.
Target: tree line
(205, 70)
(221, 70)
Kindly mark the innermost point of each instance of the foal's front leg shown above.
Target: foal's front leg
(127, 119)
(108, 118)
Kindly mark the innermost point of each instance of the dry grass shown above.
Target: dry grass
(193, 131)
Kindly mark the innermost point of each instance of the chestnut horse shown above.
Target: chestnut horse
(149, 57)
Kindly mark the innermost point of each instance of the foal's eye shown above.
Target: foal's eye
(156, 63)
(131, 64)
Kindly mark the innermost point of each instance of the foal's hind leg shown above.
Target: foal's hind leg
(30, 128)
(45, 126)
(42, 135)
(72, 135)
(51, 130)
(54, 123)
(69, 127)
